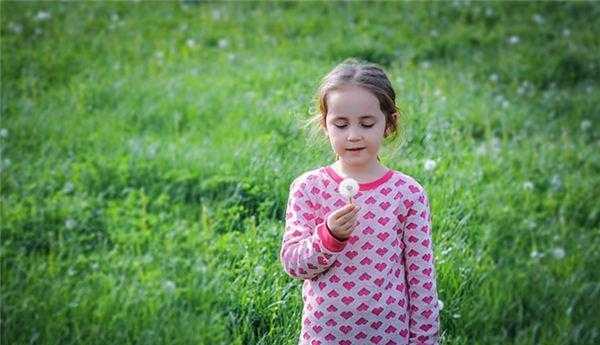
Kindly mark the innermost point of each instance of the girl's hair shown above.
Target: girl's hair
(367, 75)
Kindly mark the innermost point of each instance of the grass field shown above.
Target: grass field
(147, 150)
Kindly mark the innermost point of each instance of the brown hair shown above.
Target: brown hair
(367, 75)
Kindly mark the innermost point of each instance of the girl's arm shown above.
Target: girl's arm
(308, 247)
(420, 269)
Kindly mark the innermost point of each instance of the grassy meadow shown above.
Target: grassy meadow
(147, 149)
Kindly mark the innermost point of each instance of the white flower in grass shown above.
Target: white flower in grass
(538, 18)
(191, 43)
(430, 164)
(493, 77)
(42, 15)
(216, 14)
(441, 304)
(536, 255)
(68, 188)
(348, 188)
(528, 185)
(223, 43)
(169, 286)
(3, 132)
(566, 32)
(514, 39)
(15, 28)
(585, 125)
(556, 182)
(259, 271)
(70, 224)
(558, 253)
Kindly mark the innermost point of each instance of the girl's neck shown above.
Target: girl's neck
(362, 173)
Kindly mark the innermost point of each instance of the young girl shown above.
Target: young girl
(366, 261)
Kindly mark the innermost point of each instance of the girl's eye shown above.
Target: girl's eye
(342, 126)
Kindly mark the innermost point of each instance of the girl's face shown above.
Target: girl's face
(354, 120)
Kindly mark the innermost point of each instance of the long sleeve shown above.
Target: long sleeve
(420, 269)
(308, 248)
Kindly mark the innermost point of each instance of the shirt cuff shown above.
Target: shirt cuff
(329, 241)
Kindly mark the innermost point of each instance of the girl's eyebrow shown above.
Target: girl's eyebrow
(341, 117)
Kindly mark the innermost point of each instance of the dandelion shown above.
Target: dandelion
(585, 125)
(558, 253)
(42, 15)
(15, 28)
(190, 43)
(525, 87)
(556, 182)
(481, 150)
(430, 164)
(348, 188)
(536, 255)
(514, 39)
(223, 43)
(70, 224)
(528, 185)
(3, 132)
(441, 304)
(169, 286)
(68, 188)
(538, 18)
(259, 271)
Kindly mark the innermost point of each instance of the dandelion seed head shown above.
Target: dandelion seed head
(585, 125)
(430, 164)
(348, 187)
(514, 39)
(558, 253)
(169, 286)
(42, 15)
(538, 18)
(223, 43)
(70, 224)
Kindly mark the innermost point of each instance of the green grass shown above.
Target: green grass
(147, 150)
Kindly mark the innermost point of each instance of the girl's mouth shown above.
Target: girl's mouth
(356, 149)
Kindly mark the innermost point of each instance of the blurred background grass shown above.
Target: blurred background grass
(147, 149)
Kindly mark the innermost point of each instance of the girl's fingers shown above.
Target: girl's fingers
(345, 210)
(343, 219)
(349, 222)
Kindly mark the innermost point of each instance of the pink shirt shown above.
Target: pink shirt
(379, 285)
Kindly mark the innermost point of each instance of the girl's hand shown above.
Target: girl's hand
(342, 221)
